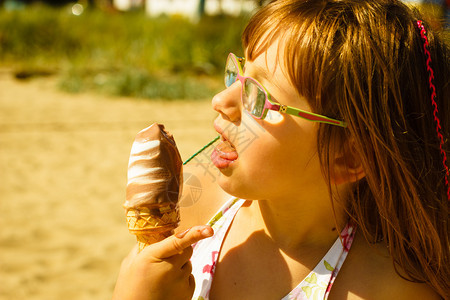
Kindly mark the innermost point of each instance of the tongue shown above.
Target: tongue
(226, 151)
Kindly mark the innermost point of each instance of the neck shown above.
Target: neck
(298, 223)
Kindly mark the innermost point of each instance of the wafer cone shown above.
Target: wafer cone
(151, 225)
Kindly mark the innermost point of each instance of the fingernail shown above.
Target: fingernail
(207, 232)
(182, 234)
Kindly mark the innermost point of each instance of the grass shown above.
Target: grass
(127, 54)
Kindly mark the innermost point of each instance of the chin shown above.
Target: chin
(236, 187)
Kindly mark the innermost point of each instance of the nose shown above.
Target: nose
(228, 102)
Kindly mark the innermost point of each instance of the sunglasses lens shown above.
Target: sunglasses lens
(231, 71)
(254, 98)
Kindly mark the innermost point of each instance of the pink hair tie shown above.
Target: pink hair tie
(423, 34)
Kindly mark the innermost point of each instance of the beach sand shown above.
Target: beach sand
(63, 164)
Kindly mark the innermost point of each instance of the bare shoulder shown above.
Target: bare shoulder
(201, 196)
(368, 273)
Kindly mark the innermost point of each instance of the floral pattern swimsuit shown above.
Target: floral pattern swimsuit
(316, 285)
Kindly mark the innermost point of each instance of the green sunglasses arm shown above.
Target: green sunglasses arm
(310, 116)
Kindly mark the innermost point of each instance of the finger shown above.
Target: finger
(187, 253)
(187, 267)
(180, 259)
(192, 283)
(176, 244)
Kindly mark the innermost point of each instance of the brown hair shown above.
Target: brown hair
(363, 62)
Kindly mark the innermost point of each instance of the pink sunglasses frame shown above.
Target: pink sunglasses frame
(269, 104)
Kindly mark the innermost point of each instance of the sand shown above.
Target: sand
(63, 163)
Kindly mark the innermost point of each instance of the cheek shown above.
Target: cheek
(255, 146)
(252, 171)
(286, 156)
(272, 159)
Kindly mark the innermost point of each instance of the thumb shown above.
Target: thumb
(175, 244)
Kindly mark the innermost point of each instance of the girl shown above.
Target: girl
(333, 147)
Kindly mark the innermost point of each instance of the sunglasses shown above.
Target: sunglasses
(258, 101)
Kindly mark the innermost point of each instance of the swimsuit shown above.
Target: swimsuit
(316, 285)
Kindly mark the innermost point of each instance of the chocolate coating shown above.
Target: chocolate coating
(155, 174)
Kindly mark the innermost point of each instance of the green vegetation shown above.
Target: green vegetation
(128, 54)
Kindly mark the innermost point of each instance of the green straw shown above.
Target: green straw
(201, 150)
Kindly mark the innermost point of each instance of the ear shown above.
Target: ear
(346, 166)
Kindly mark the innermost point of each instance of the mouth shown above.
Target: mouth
(224, 154)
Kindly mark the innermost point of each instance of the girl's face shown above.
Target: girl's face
(261, 159)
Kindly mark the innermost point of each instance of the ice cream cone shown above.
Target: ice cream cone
(151, 225)
(155, 181)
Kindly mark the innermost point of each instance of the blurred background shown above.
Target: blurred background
(169, 49)
(148, 49)
(78, 80)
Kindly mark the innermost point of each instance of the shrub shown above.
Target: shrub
(127, 54)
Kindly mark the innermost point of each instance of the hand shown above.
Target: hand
(161, 270)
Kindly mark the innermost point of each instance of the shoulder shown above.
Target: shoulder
(369, 273)
(201, 196)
